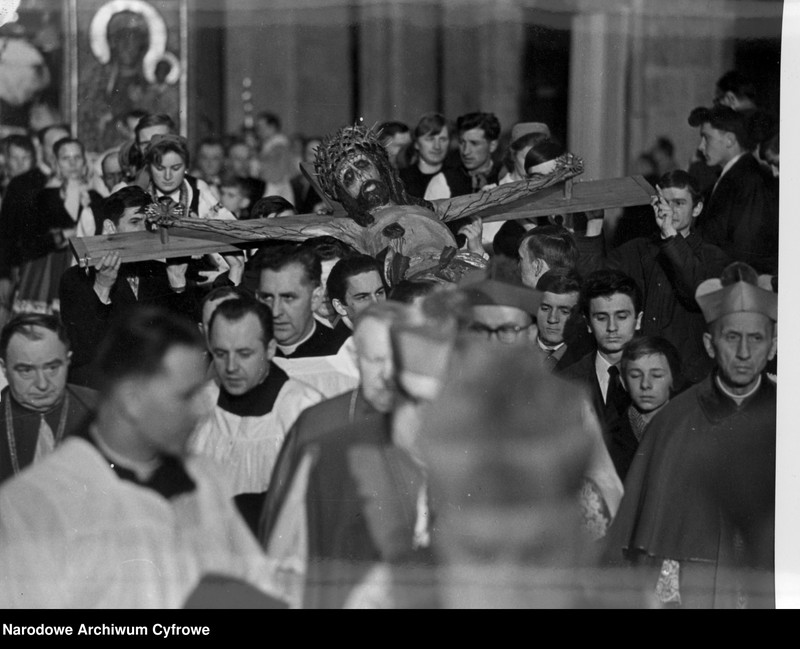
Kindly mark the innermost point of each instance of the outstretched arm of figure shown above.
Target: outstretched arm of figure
(449, 209)
(289, 228)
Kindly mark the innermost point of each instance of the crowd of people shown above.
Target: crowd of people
(411, 410)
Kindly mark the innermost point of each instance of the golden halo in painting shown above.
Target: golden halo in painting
(157, 28)
(174, 69)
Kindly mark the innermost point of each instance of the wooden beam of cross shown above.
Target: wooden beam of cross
(187, 237)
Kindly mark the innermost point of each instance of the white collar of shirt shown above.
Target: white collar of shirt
(547, 348)
(601, 366)
(728, 165)
(738, 398)
(143, 469)
(725, 169)
(290, 349)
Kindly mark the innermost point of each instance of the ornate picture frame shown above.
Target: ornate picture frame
(128, 54)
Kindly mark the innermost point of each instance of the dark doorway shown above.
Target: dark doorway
(545, 71)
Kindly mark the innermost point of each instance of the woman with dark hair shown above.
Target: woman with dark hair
(167, 161)
(539, 161)
(517, 155)
(429, 148)
(177, 194)
(541, 157)
(524, 136)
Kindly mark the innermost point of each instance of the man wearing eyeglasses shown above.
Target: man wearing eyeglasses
(503, 312)
(506, 314)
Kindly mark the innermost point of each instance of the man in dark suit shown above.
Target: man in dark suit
(612, 304)
(557, 316)
(92, 297)
(741, 214)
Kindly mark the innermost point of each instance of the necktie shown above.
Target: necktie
(478, 181)
(550, 359)
(45, 442)
(616, 393)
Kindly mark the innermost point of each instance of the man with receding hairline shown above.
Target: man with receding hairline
(253, 402)
(39, 408)
(372, 400)
(289, 284)
(698, 515)
(121, 515)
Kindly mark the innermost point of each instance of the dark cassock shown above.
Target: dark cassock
(21, 438)
(356, 501)
(698, 515)
(320, 420)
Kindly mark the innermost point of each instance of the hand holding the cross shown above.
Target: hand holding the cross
(106, 274)
(176, 273)
(473, 231)
(235, 263)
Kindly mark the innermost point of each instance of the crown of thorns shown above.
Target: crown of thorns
(336, 148)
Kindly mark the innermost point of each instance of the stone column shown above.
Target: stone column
(679, 50)
(483, 47)
(598, 82)
(398, 57)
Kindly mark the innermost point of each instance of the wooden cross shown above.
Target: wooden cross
(188, 237)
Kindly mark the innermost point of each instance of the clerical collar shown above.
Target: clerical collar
(165, 475)
(738, 398)
(258, 401)
(143, 470)
(288, 350)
